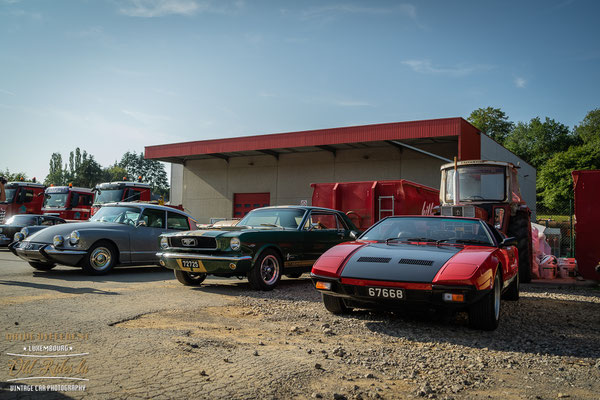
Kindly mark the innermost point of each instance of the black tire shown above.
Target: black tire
(41, 266)
(266, 272)
(334, 304)
(188, 278)
(100, 258)
(485, 314)
(512, 293)
(294, 275)
(520, 228)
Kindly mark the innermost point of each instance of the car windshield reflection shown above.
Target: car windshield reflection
(273, 218)
(119, 215)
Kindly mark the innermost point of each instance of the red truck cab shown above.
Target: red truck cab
(68, 202)
(22, 198)
(123, 191)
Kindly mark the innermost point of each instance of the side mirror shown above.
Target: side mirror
(509, 241)
(354, 235)
(141, 223)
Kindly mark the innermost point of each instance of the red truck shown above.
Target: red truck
(68, 202)
(122, 191)
(368, 202)
(22, 198)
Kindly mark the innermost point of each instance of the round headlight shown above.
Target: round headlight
(25, 232)
(235, 244)
(18, 237)
(74, 238)
(164, 242)
(58, 240)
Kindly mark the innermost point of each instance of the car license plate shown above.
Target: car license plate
(190, 265)
(386, 293)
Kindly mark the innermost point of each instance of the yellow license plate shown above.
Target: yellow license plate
(191, 265)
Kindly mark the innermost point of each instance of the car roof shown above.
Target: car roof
(146, 205)
(307, 208)
(433, 216)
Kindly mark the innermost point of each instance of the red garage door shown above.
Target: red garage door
(244, 202)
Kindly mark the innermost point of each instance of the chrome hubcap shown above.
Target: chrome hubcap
(497, 299)
(100, 258)
(269, 269)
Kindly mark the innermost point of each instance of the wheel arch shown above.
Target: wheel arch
(111, 242)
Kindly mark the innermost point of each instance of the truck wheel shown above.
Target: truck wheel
(100, 259)
(266, 272)
(485, 314)
(520, 228)
(334, 304)
(188, 278)
(512, 293)
(42, 266)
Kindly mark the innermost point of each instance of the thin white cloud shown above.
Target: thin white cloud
(7, 92)
(406, 9)
(426, 67)
(161, 8)
(353, 103)
(147, 119)
(520, 82)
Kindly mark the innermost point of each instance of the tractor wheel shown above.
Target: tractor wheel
(520, 228)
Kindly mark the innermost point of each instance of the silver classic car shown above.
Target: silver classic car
(118, 234)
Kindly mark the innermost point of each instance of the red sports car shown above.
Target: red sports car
(461, 263)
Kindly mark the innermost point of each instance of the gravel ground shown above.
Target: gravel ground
(150, 337)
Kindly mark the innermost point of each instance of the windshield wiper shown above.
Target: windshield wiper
(422, 239)
(472, 241)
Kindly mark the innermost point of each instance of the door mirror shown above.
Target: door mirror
(354, 235)
(509, 241)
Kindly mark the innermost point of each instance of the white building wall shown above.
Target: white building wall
(492, 150)
(176, 188)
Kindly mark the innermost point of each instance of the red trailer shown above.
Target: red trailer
(368, 202)
(587, 221)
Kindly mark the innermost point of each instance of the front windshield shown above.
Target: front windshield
(430, 229)
(22, 220)
(10, 195)
(274, 217)
(119, 215)
(108, 196)
(55, 200)
(477, 183)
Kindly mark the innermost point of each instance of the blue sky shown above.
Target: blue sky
(110, 76)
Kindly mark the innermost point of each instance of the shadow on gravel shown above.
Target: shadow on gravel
(61, 289)
(531, 325)
(147, 273)
(287, 289)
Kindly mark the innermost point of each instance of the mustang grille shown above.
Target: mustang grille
(382, 260)
(411, 261)
(199, 242)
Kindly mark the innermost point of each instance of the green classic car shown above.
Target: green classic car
(267, 243)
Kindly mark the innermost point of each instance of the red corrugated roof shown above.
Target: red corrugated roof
(321, 137)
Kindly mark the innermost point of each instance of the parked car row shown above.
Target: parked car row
(434, 261)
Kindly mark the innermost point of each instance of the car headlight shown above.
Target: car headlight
(74, 238)
(235, 244)
(164, 242)
(18, 237)
(58, 240)
(25, 232)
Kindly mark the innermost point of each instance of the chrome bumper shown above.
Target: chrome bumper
(203, 257)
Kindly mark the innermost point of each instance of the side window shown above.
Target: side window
(85, 200)
(28, 196)
(341, 226)
(47, 221)
(497, 235)
(321, 221)
(154, 218)
(177, 221)
(132, 195)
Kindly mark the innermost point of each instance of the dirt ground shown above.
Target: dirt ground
(143, 335)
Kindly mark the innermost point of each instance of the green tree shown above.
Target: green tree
(554, 181)
(14, 176)
(537, 141)
(88, 173)
(114, 173)
(151, 171)
(493, 122)
(589, 129)
(57, 174)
